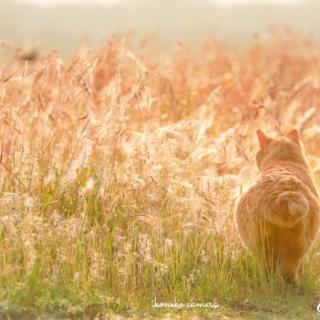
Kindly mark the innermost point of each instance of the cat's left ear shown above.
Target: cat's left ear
(263, 139)
(294, 134)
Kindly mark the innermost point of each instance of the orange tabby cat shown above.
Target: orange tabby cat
(279, 215)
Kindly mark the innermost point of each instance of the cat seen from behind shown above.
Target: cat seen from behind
(278, 217)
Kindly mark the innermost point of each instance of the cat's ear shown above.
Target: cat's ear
(294, 134)
(263, 139)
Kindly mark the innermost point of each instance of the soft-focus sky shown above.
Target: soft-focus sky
(192, 22)
(223, 2)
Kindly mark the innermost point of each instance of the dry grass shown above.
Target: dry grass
(119, 174)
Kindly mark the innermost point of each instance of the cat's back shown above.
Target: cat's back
(260, 193)
(253, 204)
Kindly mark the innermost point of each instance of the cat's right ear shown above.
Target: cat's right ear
(263, 139)
(294, 134)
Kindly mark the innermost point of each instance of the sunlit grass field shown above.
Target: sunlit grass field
(120, 171)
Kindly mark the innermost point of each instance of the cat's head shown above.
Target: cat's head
(284, 148)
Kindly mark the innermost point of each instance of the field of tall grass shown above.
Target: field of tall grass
(120, 170)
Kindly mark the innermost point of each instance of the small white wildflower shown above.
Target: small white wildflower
(7, 198)
(204, 256)
(76, 277)
(98, 266)
(48, 179)
(168, 242)
(162, 269)
(88, 186)
(30, 202)
(145, 247)
(191, 279)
